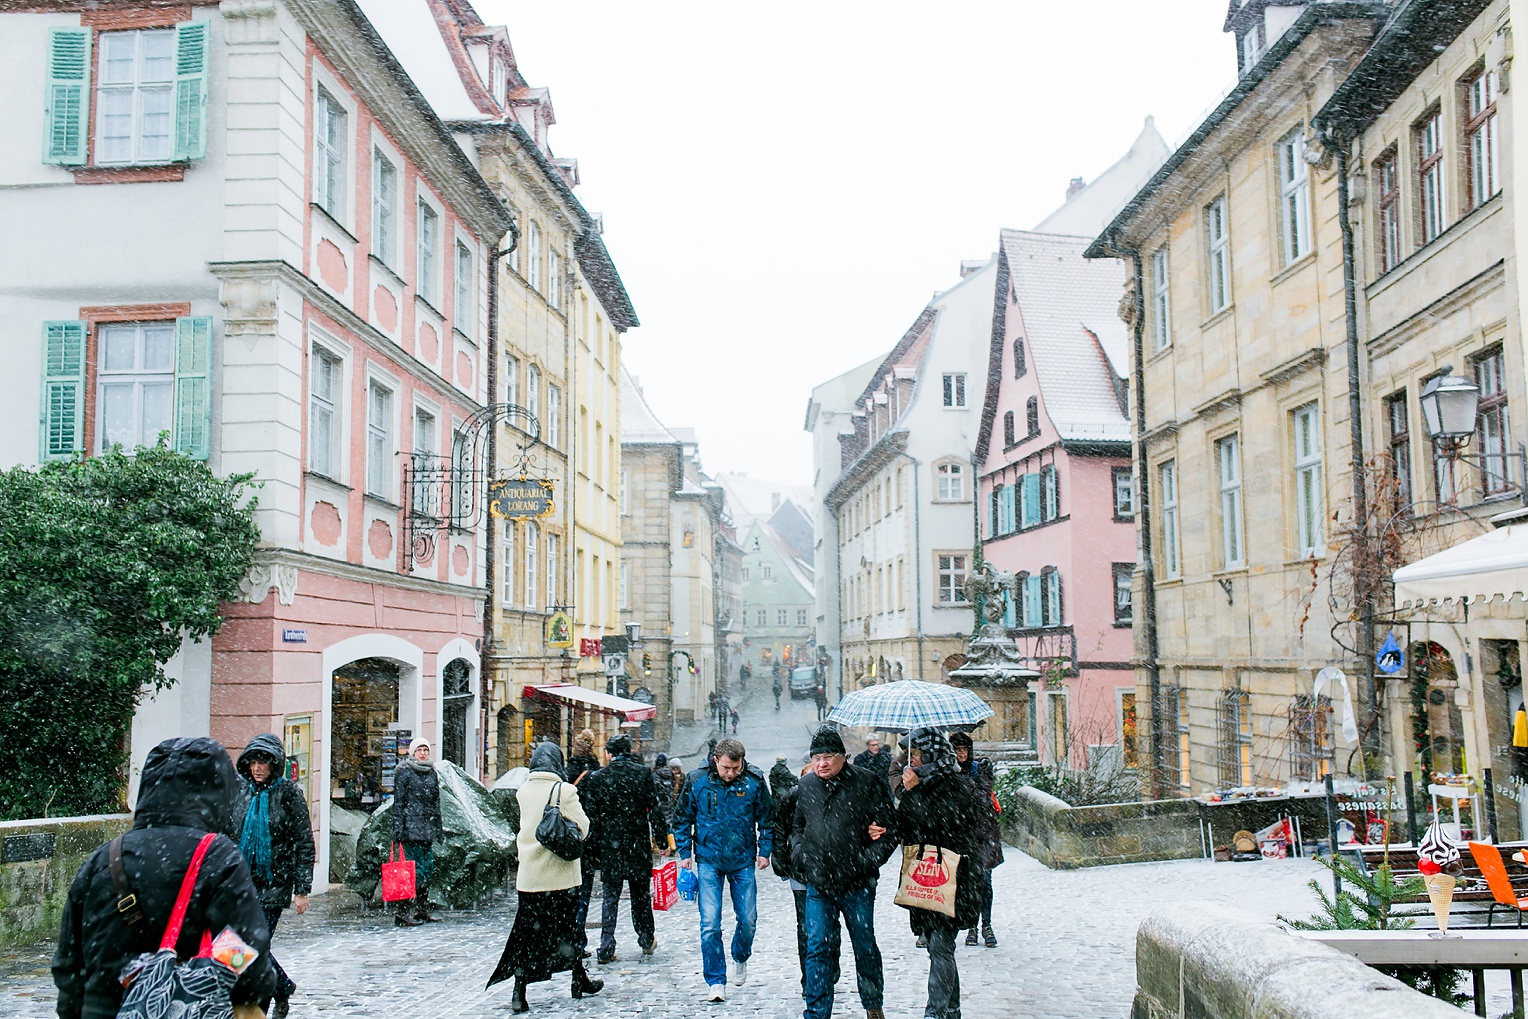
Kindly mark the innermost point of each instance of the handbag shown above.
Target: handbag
(397, 876)
(158, 984)
(928, 879)
(560, 835)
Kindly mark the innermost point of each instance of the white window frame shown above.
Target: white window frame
(326, 407)
(554, 278)
(1172, 565)
(1310, 497)
(1161, 309)
(427, 444)
(1431, 167)
(625, 500)
(533, 391)
(427, 252)
(384, 208)
(952, 571)
(1294, 197)
(1218, 236)
(625, 582)
(1233, 552)
(953, 389)
(801, 617)
(1481, 95)
(381, 437)
(464, 300)
(553, 544)
(139, 377)
(149, 99)
(533, 256)
(532, 548)
(507, 587)
(553, 416)
(330, 118)
(949, 481)
(511, 380)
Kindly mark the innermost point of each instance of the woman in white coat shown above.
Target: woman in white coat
(544, 939)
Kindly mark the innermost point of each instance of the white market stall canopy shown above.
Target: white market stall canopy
(1494, 565)
(609, 704)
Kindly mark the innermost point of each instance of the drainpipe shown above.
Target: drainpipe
(1356, 439)
(917, 554)
(490, 559)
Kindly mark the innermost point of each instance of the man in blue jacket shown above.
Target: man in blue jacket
(721, 828)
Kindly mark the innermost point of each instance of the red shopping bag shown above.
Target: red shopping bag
(397, 876)
(665, 885)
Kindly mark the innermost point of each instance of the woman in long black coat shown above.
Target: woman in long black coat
(941, 807)
(276, 838)
(416, 825)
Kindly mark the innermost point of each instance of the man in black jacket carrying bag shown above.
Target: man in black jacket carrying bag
(845, 829)
(625, 823)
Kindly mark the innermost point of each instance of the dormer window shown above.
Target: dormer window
(1251, 46)
(498, 75)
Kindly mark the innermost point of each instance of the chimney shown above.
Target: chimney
(1075, 188)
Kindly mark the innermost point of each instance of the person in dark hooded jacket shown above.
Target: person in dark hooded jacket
(417, 825)
(941, 807)
(625, 823)
(189, 788)
(276, 839)
(979, 771)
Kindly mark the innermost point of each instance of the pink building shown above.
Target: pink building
(1053, 470)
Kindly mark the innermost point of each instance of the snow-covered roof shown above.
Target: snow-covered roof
(754, 497)
(782, 549)
(638, 422)
(1072, 330)
(410, 30)
(1090, 210)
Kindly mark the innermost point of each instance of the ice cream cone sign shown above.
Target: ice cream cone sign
(1439, 862)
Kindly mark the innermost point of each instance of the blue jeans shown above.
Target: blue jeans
(745, 908)
(822, 912)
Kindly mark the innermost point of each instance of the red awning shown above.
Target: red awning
(608, 704)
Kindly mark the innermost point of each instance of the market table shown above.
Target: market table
(1474, 950)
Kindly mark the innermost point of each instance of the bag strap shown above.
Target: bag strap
(127, 902)
(187, 885)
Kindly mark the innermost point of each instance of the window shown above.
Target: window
(1387, 184)
(1019, 365)
(625, 582)
(1050, 494)
(746, 573)
(329, 134)
(1029, 500)
(767, 571)
(624, 499)
(1008, 509)
(427, 269)
(464, 307)
(955, 390)
(552, 543)
(1491, 426)
(1400, 450)
(553, 278)
(426, 445)
(554, 417)
(761, 617)
(1309, 496)
(511, 381)
(1008, 436)
(507, 595)
(1127, 727)
(1050, 596)
(952, 579)
(1123, 607)
(379, 440)
(780, 617)
(801, 617)
(1427, 135)
(323, 413)
(1233, 755)
(462, 497)
(136, 383)
(950, 484)
(135, 100)
(1161, 321)
(1218, 231)
(1228, 456)
(1311, 751)
(533, 392)
(1124, 493)
(1032, 416)
(532, 547)
(1480, 137)
(1294, 196)
(1170, 564)
(1251, 47)
(1176, 701)
(533, 256)
(384, 208)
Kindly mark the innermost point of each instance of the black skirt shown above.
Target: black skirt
(544, 939)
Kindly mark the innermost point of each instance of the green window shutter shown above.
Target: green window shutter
(1030, 504)
(193, 386)
(190, 90)
(1032, 600)
(63, 389)
(68, 96)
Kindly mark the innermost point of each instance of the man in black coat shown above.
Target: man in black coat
(625, 822)
(276, 839)
(189, 789)
(875, 758)
(979, 771)
(845, 829)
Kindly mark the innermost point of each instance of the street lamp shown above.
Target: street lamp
(1448, 408)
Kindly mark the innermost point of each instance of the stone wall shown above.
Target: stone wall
(33, 891)
(1211, 961)
(1063, 836)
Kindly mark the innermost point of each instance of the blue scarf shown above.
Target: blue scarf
(255, 841)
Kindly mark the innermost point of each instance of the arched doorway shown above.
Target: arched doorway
(363, 750)
(456, 703)
(1437, 723)
(645, 696)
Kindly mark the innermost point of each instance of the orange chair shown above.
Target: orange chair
(1488, 859)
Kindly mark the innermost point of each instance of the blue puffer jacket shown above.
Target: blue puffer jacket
(728, 825)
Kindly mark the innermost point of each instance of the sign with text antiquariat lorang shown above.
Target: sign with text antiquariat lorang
(520, 498)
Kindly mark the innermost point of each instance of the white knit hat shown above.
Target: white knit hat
(419, 741)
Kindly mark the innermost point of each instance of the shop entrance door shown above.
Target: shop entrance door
(456, 689)
(364, 716)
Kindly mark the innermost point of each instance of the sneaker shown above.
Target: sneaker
(971, 936)
(922, 942)
(718, 992)
(991, 937)
(739, 972)
(648, 949)
(605, 960)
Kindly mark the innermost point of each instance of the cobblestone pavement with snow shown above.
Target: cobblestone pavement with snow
(1066, 941)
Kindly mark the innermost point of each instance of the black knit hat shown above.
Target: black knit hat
(827, 741)
(961, 739)
(620, 744)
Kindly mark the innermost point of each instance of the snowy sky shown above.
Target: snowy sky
(785, 186)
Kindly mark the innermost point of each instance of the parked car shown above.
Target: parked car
(803, 682)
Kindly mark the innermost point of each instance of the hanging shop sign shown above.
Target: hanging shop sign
(559, 630)
(1390, 659)
(520, 498)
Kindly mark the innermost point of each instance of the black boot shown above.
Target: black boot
(517, 1003)
(422, 906)
(582, 985)
(280, 1008)
(403, 914)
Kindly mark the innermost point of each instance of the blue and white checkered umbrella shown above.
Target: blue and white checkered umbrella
(909, 704)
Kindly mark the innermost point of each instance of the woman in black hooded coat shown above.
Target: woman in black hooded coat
(189, 788)
(941, 807)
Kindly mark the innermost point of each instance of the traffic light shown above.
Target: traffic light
(647, 663)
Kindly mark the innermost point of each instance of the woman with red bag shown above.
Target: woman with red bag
(416, 825)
